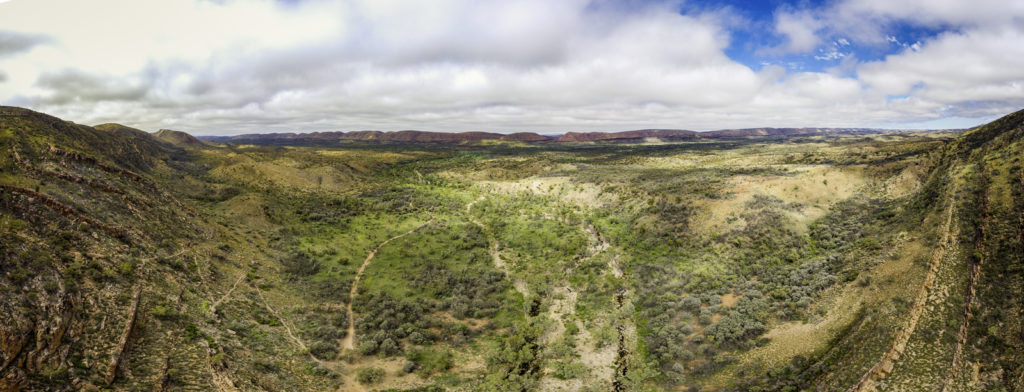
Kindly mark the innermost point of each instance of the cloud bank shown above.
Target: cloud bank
(227, 67)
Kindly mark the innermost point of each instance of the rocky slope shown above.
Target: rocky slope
(108, 273)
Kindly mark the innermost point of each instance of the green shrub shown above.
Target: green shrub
(567, 370)
(126, 268)
(192, 333)
(323, 350)
(368, 347)
(18, 276)
(370, 375)
(163, 311)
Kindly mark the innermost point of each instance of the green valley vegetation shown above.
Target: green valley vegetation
(851, 260)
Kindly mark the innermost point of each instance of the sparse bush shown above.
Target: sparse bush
(126, 268)
(409, 367)
(864, 280)
(18, 276)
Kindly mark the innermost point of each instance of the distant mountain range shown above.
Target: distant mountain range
(410, 136)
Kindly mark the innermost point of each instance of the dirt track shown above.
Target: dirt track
(347, 343)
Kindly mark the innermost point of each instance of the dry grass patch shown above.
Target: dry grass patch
(814, 187)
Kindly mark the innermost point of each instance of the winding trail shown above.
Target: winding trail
(283, 322)
(347, 343)
(291, 334)
(215, 304)
(885, 364)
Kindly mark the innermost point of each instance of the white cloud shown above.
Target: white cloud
(977, 65)
(800, 30)
(975, 13)
(253, 66)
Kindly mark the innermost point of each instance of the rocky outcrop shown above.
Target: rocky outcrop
(34, 344)
(63, 209)
(92, 161)
(122, 345)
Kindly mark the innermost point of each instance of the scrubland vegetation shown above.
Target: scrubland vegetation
(777, 263)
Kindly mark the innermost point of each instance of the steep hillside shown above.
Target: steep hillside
(89, 242)
(957, 324)
(970, 334)
(116, 274)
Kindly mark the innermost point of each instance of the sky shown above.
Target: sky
(222, 67)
